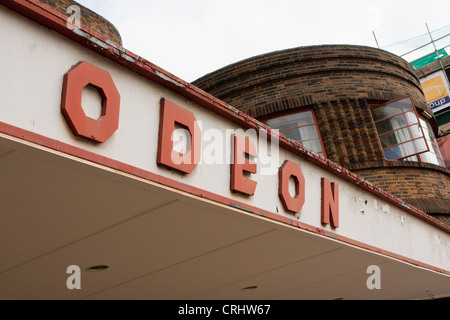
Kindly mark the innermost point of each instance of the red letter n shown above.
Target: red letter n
(330, 203)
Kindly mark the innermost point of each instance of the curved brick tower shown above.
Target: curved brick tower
(347, 89)
(89, 19)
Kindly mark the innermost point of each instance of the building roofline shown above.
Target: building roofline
(87, 18)
(53, 20)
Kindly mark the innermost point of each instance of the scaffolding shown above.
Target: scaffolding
(422, 50)
(434, 43)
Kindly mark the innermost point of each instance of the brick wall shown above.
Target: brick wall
(303, 76)
(89, 19)
(339, 83)
(416, 183)
(348, 132)
(430, 189)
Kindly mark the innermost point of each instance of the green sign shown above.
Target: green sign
(422, 62)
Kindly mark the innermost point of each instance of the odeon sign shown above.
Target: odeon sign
(172, 115)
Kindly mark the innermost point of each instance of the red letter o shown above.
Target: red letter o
(287, 170)
(74, 81)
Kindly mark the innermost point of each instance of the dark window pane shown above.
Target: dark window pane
(400, 135)
(397, 122)
(293, 134)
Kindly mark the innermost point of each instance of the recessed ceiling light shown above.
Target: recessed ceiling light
(99, 267)
(250, 288)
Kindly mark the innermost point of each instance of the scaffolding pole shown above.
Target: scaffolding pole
(373, 32)
(437, 53)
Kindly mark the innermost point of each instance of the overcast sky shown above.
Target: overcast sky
(191, 38)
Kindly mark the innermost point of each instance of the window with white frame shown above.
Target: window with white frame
(403, 134)
(301, 127)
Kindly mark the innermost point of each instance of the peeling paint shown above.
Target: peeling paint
(115, 51)
(81, 33)
(165, 77)
(437, 239)
(113, 44)
(129, 58)
(402, 220)
(99, 43)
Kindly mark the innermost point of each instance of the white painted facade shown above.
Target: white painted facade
(34, 60)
